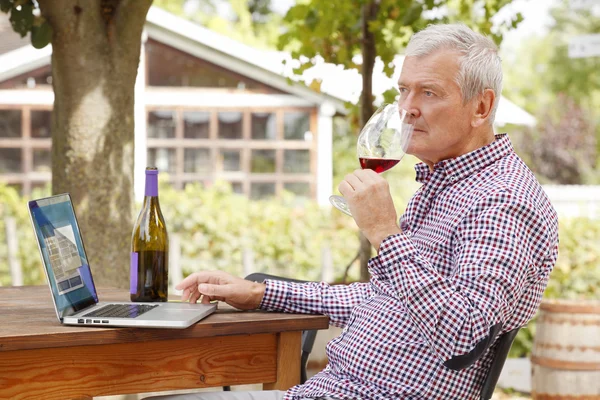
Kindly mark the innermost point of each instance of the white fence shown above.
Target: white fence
(575, 200)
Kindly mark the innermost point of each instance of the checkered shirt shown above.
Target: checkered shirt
(479, 239)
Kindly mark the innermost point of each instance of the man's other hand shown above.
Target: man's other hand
(218, 285)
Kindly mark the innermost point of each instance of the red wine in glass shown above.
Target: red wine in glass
(378, 165)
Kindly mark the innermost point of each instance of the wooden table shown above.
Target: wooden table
(42, 359)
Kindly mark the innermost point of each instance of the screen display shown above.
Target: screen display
(64, 257)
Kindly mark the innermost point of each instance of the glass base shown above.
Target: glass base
(340, 203)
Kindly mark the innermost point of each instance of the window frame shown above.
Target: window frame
(246, 144)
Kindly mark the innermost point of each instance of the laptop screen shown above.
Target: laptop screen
(63, 254)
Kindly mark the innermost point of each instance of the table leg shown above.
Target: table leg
(288, 361)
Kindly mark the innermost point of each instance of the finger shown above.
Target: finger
(185, 295)
(367, 175)
(214, 290)
(189, 281)
(353, 180)
(194, 297)
(345, 189)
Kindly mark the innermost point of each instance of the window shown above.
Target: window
(163, 159)
(261, 190)
(231, 160)
(301, 189)
(264, 126)
(296, 124)
(41, 160)
(196, 124)
(263, 161)
(10, 123)
(41, 123)
(245, 147)
(197, 161)
(161, 124)
(230, 125)
(25, 144)
(296, 161)
(10, 160)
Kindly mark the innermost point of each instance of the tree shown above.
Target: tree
(338, 31)
(250, 21)
(541, 68)
(95, 55)
(564, 94)
(562, 148)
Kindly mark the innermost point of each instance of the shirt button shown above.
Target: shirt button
(452, 178)
(408, 234)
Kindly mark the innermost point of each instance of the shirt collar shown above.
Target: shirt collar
(467, 164)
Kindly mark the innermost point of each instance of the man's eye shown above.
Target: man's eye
(428, 93)
(403, 90)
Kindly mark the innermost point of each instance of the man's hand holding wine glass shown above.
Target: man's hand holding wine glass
(369, 199)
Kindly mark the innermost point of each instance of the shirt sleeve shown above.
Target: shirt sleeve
(335, 301)
(503, 250)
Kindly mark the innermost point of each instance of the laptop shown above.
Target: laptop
(71, 283)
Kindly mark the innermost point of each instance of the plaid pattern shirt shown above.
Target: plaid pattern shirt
(479, 239)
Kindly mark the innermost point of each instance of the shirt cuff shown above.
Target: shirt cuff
(394, 248)
(276, 295)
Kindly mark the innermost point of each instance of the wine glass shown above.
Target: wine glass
(382, 143)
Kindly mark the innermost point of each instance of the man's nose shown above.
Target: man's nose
(409, 105)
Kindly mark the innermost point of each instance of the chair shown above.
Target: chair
(504, 343)
(308, 340)
(308, 337)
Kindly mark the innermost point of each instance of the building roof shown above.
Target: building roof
(338, 85)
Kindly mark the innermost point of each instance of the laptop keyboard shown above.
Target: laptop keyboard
(121, 310)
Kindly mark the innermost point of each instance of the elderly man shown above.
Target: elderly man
(468, 261)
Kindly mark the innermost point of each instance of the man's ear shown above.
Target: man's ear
(485, 103)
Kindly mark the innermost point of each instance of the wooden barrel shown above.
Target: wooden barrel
(565, 359)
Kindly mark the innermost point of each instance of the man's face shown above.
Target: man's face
(429, 91)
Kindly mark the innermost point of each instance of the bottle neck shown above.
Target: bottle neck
(151, 185)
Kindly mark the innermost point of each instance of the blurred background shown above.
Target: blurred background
(251, 109)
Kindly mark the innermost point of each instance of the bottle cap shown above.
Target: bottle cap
(151, 171)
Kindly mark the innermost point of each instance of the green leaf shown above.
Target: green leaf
(41, 35)
(412, 15)
(5, 5)
(21, 19)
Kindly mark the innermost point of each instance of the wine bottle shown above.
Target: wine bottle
(149, 274)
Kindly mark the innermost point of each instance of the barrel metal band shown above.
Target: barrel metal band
(565, 365)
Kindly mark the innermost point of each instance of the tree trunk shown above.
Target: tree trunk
(95, 55)
(369, 13)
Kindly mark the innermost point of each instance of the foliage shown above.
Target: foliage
(250, 21)
(546, 82)
(562, 149)
(576, 275)
(217, 226)
(14, 206)
(332, 30)
(577, 272)
(25, 18)
(540, 68)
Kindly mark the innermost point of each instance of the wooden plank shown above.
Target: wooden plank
(38, 326)
(288, 361)
(88, 371)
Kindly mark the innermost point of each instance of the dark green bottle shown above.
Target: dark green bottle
(149, 274)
